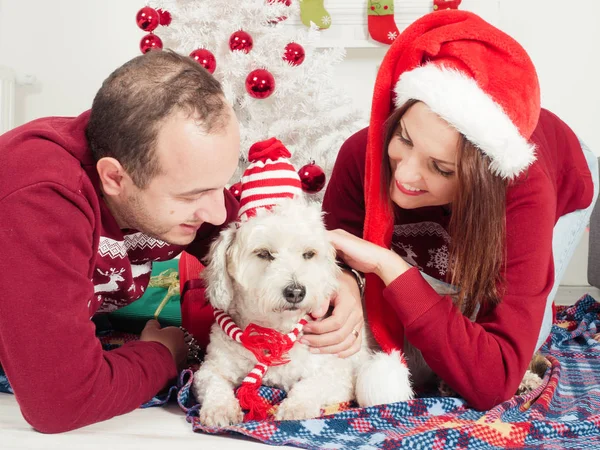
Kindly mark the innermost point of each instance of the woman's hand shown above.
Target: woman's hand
(340, 333)
(367, 257)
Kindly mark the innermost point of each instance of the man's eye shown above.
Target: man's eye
(265, 254)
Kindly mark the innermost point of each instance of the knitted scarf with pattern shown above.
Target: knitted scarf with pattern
(270, 347)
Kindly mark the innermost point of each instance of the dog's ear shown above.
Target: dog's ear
(219, 287)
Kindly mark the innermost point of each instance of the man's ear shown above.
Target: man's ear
(219, 287)
(112, 175)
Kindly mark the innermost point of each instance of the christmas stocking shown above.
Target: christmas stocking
(314, 11)
(439, 5)
(382, 26)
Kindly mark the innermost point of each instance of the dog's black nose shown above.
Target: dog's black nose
(294, 293)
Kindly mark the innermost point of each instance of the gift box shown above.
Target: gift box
(161, 301)
(196, 313)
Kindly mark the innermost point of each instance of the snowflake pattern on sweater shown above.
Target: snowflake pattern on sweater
(424, 245)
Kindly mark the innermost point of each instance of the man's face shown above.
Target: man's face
(194, 169)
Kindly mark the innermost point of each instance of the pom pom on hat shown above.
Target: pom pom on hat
(268, 179)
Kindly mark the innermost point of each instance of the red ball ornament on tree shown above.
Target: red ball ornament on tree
(312, 178)
(164, 17)
(150, 42)
(147, 19)
(236, 190)
(260, 83)
(205, 58)
(294, 54)
(240, 40)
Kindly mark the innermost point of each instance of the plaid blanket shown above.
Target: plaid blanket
(564, 412)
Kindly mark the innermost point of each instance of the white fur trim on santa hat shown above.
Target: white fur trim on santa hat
(459, 100)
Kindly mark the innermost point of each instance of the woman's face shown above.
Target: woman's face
(423, 153)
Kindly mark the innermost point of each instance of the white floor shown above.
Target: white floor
(567, 295)
(148, 429)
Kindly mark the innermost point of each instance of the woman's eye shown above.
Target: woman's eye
(265, 254)
(309, 254)
(404, 140)
(442, 172)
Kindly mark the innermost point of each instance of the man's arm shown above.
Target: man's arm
(61, 377)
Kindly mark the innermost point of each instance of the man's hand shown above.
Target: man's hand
(170, 337)
(341, 333)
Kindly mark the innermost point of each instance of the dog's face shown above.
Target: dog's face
(275, 267)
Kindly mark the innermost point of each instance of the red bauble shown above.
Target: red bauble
(150, 42)
(240, 40)
(236, 190)
(312, 178)
(147, 19)
(164, 17)
(205, 58)
(294, 54)
(260, 83)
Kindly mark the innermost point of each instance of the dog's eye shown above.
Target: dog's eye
(265, 254)
(309, 254)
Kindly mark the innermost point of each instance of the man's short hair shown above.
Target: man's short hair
(137, 97)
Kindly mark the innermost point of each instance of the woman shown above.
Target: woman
(462, 175)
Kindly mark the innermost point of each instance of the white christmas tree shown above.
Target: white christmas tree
(301, 105)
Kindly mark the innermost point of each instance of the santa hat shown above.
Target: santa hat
(268, 179)
(475, 77)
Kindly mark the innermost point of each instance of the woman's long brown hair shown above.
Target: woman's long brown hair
(477, 223)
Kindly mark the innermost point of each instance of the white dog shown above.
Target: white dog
(272, 270)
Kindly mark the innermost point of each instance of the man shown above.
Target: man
(86, 205)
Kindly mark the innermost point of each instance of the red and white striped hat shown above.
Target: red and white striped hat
(268, 179)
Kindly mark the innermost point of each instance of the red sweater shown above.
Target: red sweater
(483, 361)
(64, 258)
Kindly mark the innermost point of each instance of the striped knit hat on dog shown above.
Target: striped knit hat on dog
(268, 179)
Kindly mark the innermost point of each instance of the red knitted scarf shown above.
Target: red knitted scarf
(270, 347)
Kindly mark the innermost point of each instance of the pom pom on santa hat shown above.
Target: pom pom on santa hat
(268, 179)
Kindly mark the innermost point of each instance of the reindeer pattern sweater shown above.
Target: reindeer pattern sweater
(64, 259)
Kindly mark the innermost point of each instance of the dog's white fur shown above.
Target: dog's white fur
(244, 282)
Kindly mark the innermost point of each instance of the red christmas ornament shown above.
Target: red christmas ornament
(294, 54)
(260, 83)
(150, 42)
(205, 58)
(312, 178)
(164, 17)
(439, 5)
(240, 40)
(147, 19)
(236, 190)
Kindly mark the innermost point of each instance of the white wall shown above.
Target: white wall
(70, 46)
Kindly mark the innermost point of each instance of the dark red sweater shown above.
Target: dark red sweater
(483, 361)
(64, 258)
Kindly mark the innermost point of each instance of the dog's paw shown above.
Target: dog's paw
(221, 415)
(296, 409)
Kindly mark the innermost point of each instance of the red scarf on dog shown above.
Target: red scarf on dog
(270, 348)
